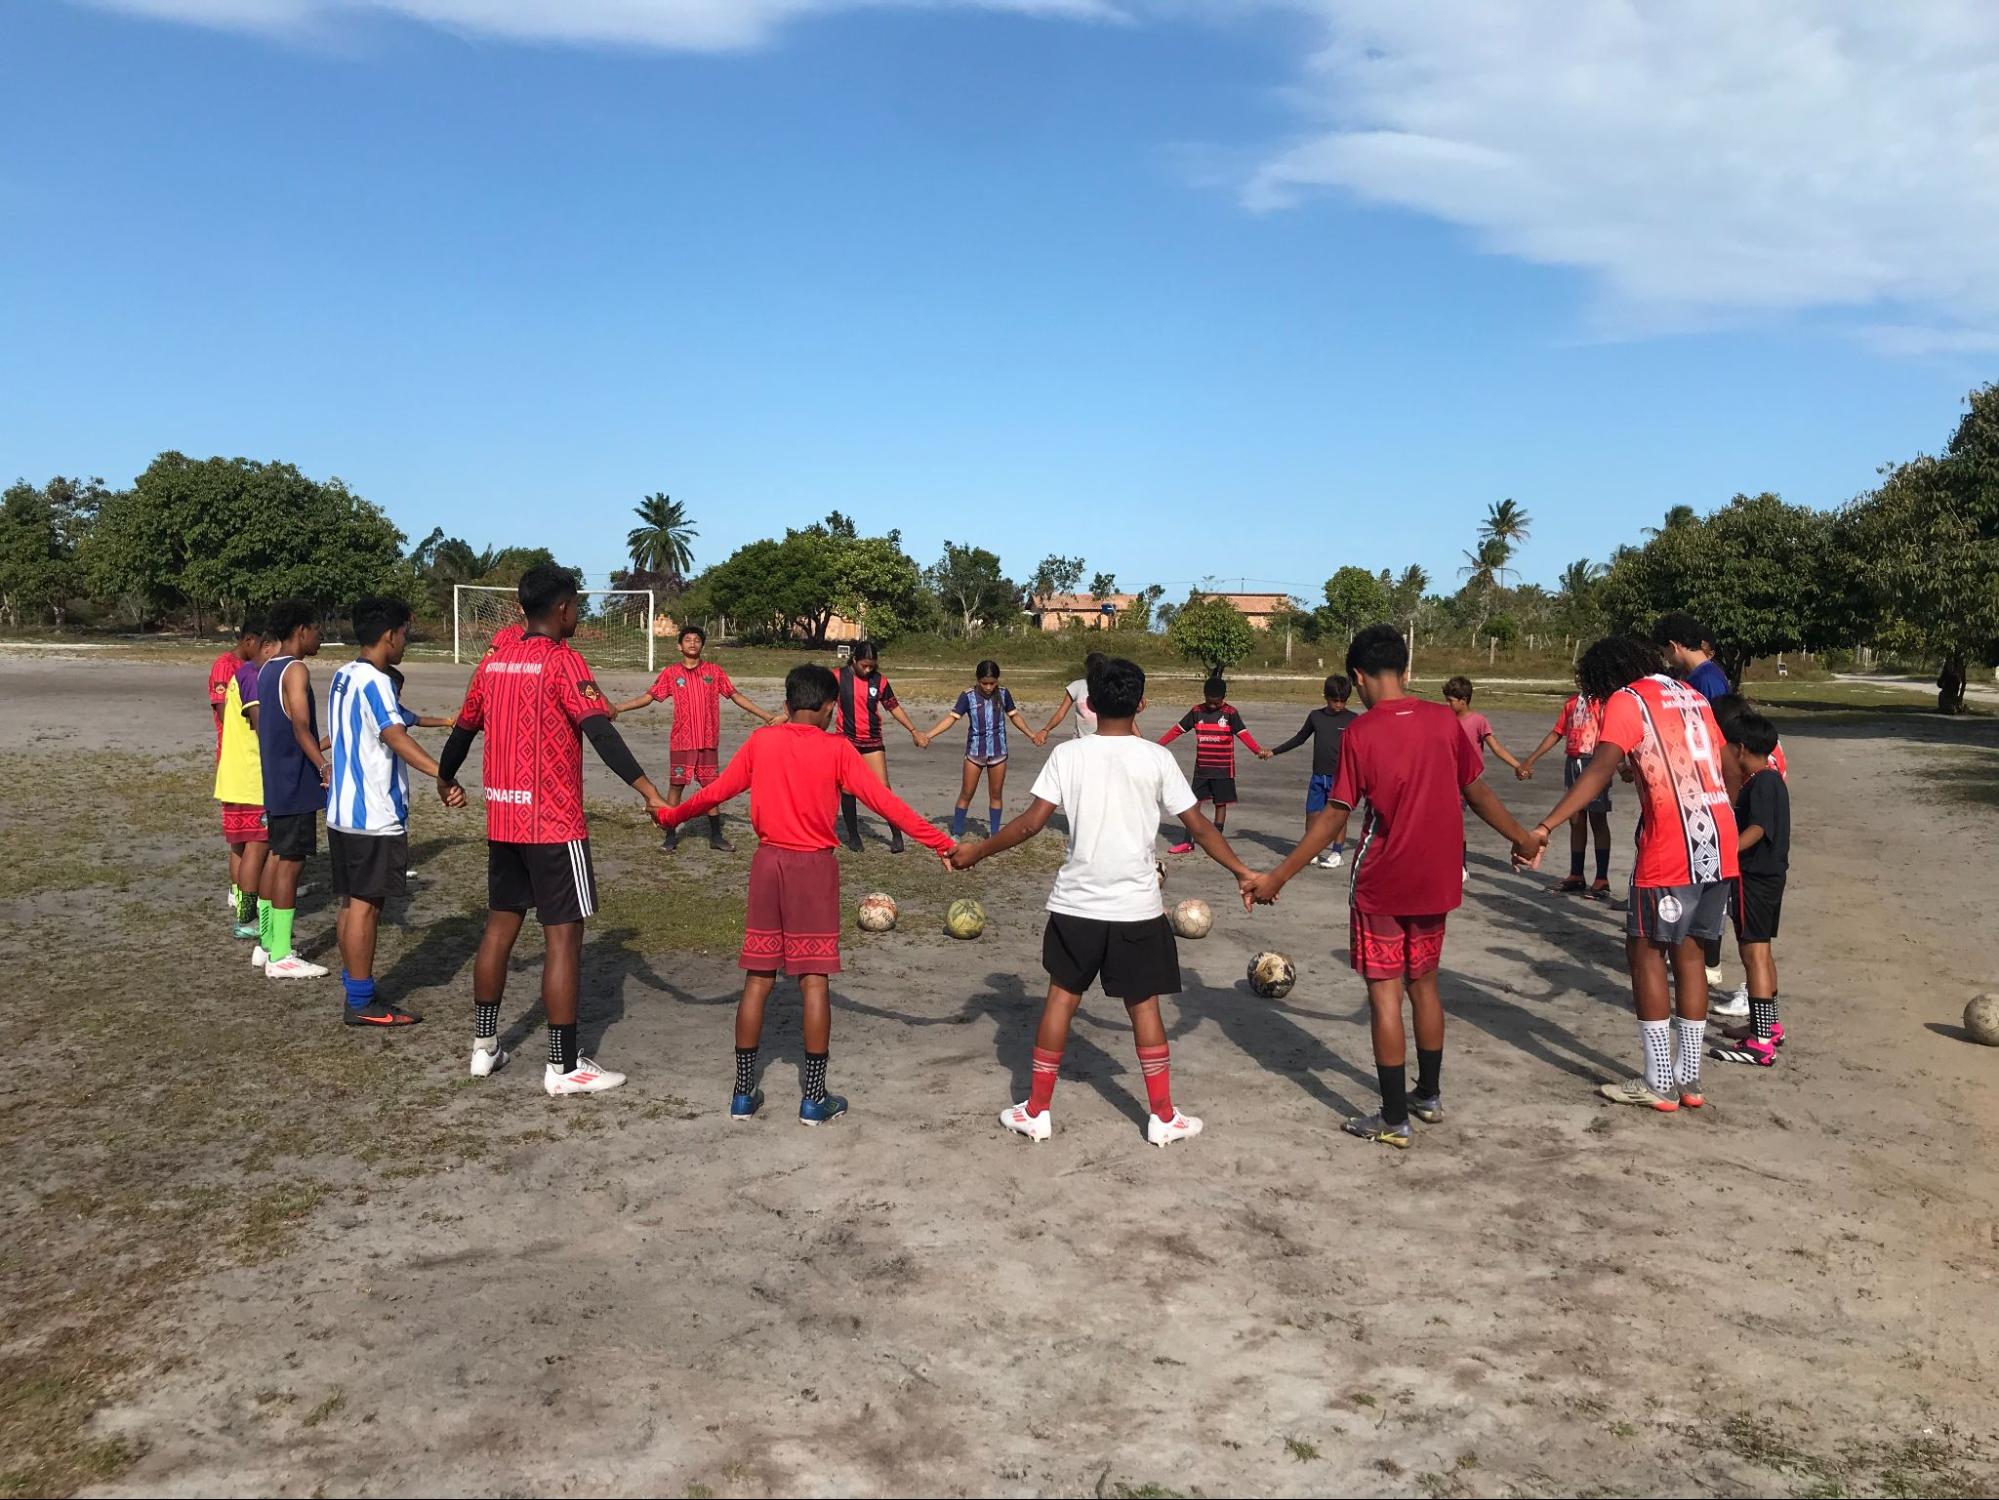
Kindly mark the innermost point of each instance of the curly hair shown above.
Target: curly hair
(1615, 662)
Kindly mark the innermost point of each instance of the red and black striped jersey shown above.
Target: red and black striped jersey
(863, 701)
(1215, 731)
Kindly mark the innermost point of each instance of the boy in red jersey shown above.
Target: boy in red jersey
(1415, 768)
(1686, 856)
(1576, 729)
(1216, 726)
(793, 771)
(696, 689)
(535, 699)
(221, 672)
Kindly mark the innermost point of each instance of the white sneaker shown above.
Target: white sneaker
(258, 957)
(1164, 1132)
(1714, 977)
(1735, 1006)
(1334, 859)
(487, 1062)
(585, 1078)
(1034, 1127)
(291, 966)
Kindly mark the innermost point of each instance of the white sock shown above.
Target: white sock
(1692, 1039)
(1656, 1037)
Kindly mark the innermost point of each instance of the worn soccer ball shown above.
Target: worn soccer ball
(1192, 919)
(1981, 1018)
(965, 918)
(877, 912)
(1271, 975)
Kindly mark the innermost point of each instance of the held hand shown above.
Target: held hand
(326, 773)
(450, 793)
(950, 856)
(1527, 853)
(1265, 754)
(963, 856)
(1261, 890)
(1524, 771)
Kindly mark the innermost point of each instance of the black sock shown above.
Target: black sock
(1763, 1016)
(562, 1047)
(815, 1076)
(1575, 864)
(485, 1018)
(746, 1070)
(1394, 1093)
(850, 813)
(1602, 863)
(1429, 1072)
(1711, 951)
(714, 825)
(246, 907)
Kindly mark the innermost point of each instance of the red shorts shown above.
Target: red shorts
(1396, 947)
(243, 823)
(793, 920)
(699, 766)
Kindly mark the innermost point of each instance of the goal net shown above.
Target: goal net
(614, 629)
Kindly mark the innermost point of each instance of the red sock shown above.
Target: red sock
(1158, 1079)
(1046, 1065)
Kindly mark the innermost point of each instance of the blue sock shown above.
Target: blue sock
(958, 823)
(993, 818)
(360, 992)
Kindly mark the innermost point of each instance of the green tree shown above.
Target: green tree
(1505, 522)
(1406, 593)
(1576, 604)
(1103, 585)
(877, 585)
(1678, 515)
(1055, 575)
(663, 541)
(1354, 597)
(1211, 631)
(41, 531)
(968, 582)
(1137, 615)
(1484, 571)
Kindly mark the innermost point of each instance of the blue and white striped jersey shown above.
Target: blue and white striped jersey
(370, 792)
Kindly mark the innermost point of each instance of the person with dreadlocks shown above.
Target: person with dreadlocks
(1686, 861)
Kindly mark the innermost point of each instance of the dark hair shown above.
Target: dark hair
(864, 651)
(1616, 662)
(1377, 649)
(1728, 711)
(1094, 660)
(376, 617)
(543, 588)
(1753, 733)
(1339, 688)
(250, 629)
(1214, 687)
(986, 669)
(1458, 688)
(1678, 628)
(694, 630)
(285, 618)
(809, 686)
(1117, 688)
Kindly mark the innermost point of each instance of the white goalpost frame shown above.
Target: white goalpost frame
(459, 643)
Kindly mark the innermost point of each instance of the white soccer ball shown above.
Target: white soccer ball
(1981, 1018)
(877, 912)
(1192, 919)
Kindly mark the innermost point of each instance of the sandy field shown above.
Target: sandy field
(250, 1251)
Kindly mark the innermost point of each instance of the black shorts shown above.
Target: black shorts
(1136, 960)
(369, 866)
(1219, 790)
(1759, 907)
(294, 836)
(555, 879)
(1572, 767)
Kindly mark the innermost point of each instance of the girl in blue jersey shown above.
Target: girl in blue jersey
(987, 707)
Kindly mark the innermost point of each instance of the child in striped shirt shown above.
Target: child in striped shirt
(986, 706)
(1216, 726)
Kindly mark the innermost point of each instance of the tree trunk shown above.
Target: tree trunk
(1950, 685)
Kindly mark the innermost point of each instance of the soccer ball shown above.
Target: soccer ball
(877, 912)
(1981, 1018)
(965, 918)
(1160, 866)
(1271, 975)
(1192, 919)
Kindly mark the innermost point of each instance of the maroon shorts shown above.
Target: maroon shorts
(793, 920)
(699, 766)
(243, 823)
(1396, 947)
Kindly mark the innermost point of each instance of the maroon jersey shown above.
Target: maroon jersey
(863, 701)
(531, 695)
(696, 694)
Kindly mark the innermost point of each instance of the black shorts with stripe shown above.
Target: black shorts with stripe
(1759, 908)
(556, 880)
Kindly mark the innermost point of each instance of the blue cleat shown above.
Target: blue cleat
(819, 1111)
(742, 1106)
(245, 930)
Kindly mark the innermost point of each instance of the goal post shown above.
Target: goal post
(614, 628)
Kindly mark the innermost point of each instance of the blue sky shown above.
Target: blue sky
(1183, 287)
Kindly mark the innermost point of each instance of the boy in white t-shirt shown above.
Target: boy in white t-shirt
(1105, 917)
(1077, 696)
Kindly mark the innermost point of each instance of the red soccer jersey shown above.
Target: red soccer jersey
(1580, 722)
(1686, 827)
(1215, 731)
(531, 696)
(506, 635)
(1780, 765)
(1411, 762)
(794, 774)
(863, 700)
(697, 695)
(221, 672)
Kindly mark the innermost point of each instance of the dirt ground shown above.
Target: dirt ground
(249, 1251)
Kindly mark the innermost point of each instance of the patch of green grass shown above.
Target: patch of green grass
(325, 1409)
(1300, 1450)
(700, 1492)
(1970, 776)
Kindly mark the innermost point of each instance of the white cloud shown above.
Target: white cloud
(1699, 159)
(688, 25)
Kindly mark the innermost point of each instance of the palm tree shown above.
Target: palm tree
(1484, 571)
(661, 544)
(1505, 522)
(1679, 515)
(1578, 596)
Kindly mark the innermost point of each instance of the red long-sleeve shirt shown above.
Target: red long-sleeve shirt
(794, 773)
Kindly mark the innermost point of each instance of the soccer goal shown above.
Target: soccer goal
(614, 629)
